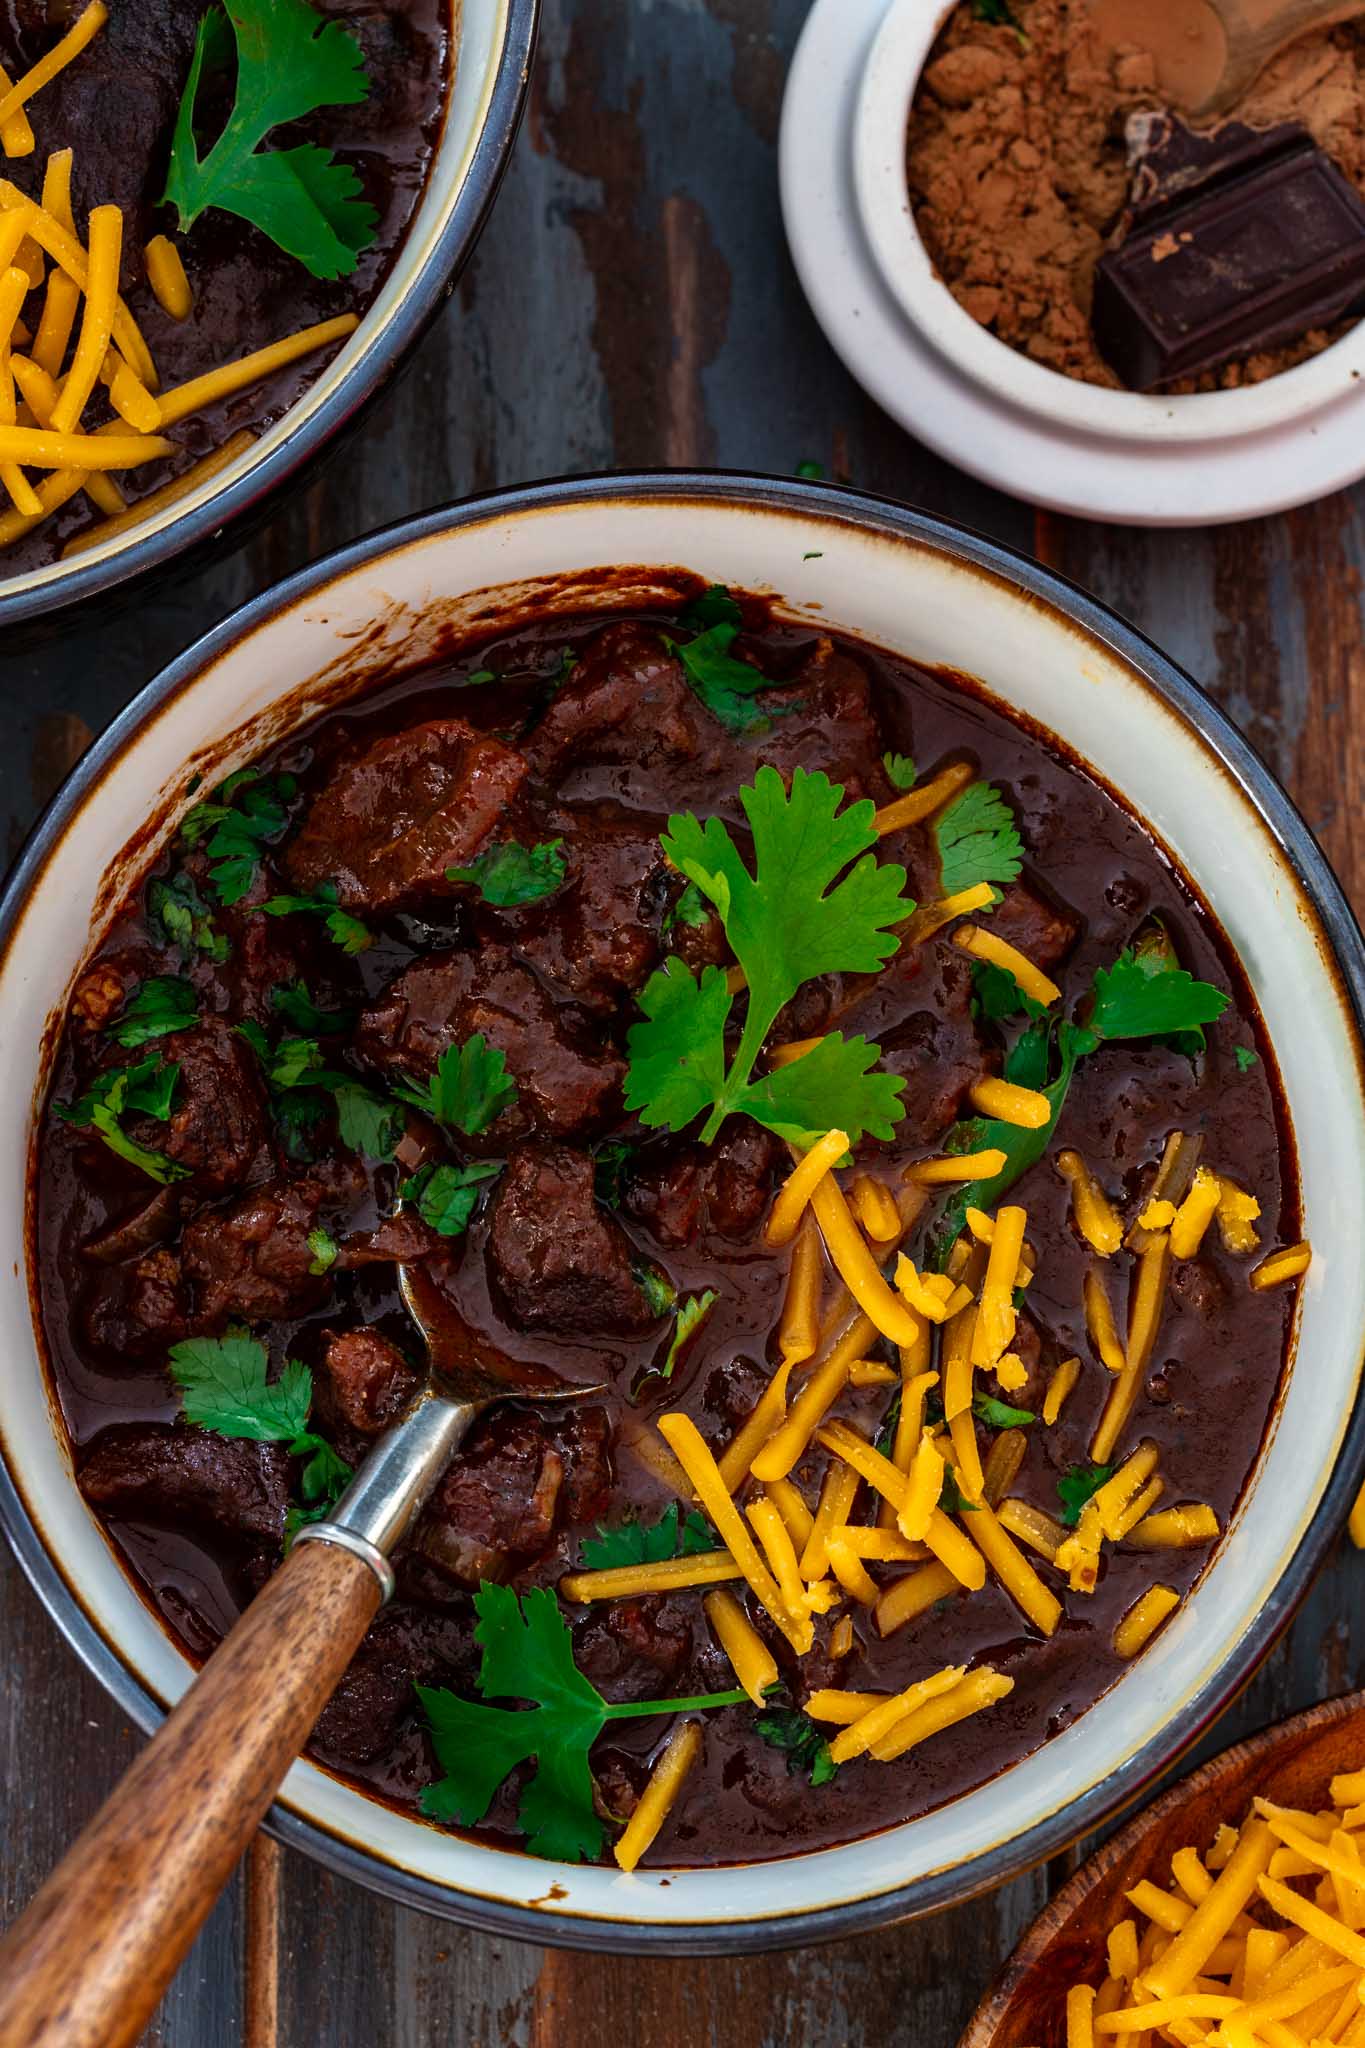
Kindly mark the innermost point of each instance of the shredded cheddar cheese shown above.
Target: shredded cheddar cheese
(1237, 1213)
(1174, 1529)
(931, 1295)
(750, 1658)
(996, 1319)
(1026, 1108)
(166, 276)
(856, 1266)
(837, 1495)
(16, 133)
(966, 1166)
(768, 1415)
(905, 1599)
(56, 193)
(798, 1332)
(630, 1581)
(83, 30)
(679, 1755)
(51, 450)
(788, 1442)
(931, 917)
(1144, 1319)
(1032, 1526)
(61, 303)
(972, 1695)
(1144, 1618)
(776, 1542)
(870, 1728)
(184, 399)
(924, 1484)
(791, 1505)
(1095, 1216)
(1059, 1389)
(685, 1440)
(1014, 1571)
(1099, 1322)
(841, 1709)
(921, 803)
(850, 1572)
(1195, 1214)
(875, 1208)
(984, 945)
(1281, 1266)
(796, 1191)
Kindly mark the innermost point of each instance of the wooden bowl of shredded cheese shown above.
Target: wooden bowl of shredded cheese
(1231, 1912)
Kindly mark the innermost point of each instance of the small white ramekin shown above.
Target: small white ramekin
(1150, 459)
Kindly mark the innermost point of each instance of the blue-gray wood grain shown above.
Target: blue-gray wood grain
(632, 303)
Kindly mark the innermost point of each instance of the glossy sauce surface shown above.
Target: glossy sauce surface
(1092, 875)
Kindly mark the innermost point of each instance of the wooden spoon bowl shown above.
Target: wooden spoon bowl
(1290, 1763)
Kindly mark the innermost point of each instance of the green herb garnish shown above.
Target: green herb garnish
(528, 1655)
(1146, 995)
(996, 995)
(803, 912)
(723, 683)
(692, 1313)
(348, 932)
(715, 607)
(691, 908)
(978, 840)
(178, 914)
(289, 62)
(1076, 1487)
(900, 770)
(999, 1415)
(509, 874)
(324, 1248)
(224, 1387)
(147, 1089)
(297, 1007)
(633, 1542)
(1246, 1059)
(446, 1195)
(805, 1744)
(235, 825)
(470, 1088)
(158, 1006)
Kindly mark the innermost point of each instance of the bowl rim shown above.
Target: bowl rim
(357, 386)
(887, 89)
(1034, 583)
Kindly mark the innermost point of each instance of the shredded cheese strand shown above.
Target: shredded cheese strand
(788, 1443)
(679, 1755)
(856, 1266)
(1148, 1293)
(166, 276)
(870, 1727)
(668, 1575)
(795, 1193)
(156, 501)
(1059, 1389)
(63, 248)
(798, 1332)
(966, 1166)
(915, 1594)
(83, 30)
(685, 1440)
(919, 804)
(1144, 1618)
(184, 399)
(984, 945)
(1096, 1218)
(751, 1660)
(1026, 1108)
(97, 321)
(16, 134)
(980, 1689)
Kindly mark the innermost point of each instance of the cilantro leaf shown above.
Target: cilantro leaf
(235, 824)
(900, 770)
(691, 908)
(157, 1006)
(178, 914)
(367, 1123)
(724, 684)
(148, 1088)
(223, 1386)
(633, 1542)
(691, 1315)
(794, 1100)
(1145, 995)
(528, 1655)
(1040, 1049)
(469, 1090)
(659, 1292)
(289, 62)
(446, 1195)
(999, 1415)
(324, 1248)
(811, 906)
(348, 932)
(715, 607)
(297, 1007)
(996, 994)
(509, 873)
(1075, 1488)
(1246, 1059)
(804, 1743)
(977, 839)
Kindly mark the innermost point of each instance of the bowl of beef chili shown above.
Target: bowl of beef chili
(223, 225)
(858, 1000)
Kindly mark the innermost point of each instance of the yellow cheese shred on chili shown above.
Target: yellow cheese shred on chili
(657, 1800)
(685, 1440)
(83, 30)
(750, 1658)
(921, 803)
(984, 945)
(800, 1184)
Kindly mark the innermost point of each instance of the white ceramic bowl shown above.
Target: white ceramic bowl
(492, 45)
(1149, 459)
(941, 596)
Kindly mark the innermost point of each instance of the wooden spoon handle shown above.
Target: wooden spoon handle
(84, 1965)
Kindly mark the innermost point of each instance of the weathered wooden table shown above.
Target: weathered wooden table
(633, 304)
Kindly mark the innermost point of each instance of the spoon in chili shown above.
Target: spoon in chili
(86, 1962)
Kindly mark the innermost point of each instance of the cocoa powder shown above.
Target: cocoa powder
(1018, 169)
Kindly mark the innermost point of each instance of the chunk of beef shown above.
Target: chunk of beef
(102, 990)
(151, 1223)
(1043, 931)
(137, 1309)
(681, 1192)
(626, 700)
(597, 938)
(556, 1259)
(495, 1509)
(406, 1646)
(629, 1647)
(390, 822)
(371, 1381)
(253, 1259)
(583, 1439)
(399, 1240)
(566, 1085)
(173, 1472)
(938, 1058)
(826, 715)
(217, 1127)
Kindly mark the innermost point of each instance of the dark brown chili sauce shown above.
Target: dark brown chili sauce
(115, 106)
(608, 752)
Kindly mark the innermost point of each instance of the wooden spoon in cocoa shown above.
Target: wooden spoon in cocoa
(1209, 52)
